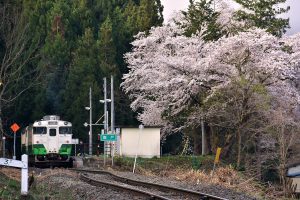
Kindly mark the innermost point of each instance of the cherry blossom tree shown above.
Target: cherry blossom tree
(283, 127)
(178, 80)
(165, 51)
(165, 61)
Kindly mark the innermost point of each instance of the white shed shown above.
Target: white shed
(145, 142)
(293, 172)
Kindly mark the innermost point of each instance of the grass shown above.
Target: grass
(9, 188)
(167, 163)
(194, 170)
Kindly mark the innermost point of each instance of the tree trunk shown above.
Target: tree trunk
(258, 157)
(208, 149)
(227, 146)
(239, 138)
(197, 140)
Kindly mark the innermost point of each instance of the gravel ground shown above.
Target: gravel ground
(203, 187)
(170, 195)
(81, 190)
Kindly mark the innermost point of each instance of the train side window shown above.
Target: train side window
(52, 132)
(39, 130)
(65, 130)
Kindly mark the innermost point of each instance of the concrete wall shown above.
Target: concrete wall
(149, 145)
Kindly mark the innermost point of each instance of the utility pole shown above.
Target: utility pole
(105, 106)
(91, 129)
(105, 117)
(112, 114)
(112, 122)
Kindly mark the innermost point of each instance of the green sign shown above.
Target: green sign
(108, 137)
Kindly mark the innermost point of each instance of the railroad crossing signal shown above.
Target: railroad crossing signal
(15, 127)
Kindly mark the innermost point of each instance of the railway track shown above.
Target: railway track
(140, 188)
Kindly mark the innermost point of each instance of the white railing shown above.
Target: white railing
(23, 164)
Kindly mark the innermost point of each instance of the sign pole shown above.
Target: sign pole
(3, 147)
(141, 127)
(15, 127)
(104, 154)
(14, 157)
(217, 159)
(107, 138)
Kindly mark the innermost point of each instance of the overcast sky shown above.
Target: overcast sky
(294, 14)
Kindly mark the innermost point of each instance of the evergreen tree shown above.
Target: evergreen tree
(149, 14)
(130, 14)
(201, 15)
(56, 53)
(85, 72)
(107, 50)
(81, 41)
(264, 14)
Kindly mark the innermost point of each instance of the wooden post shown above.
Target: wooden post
(24, 177)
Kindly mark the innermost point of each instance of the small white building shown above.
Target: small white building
(145, 142)
(293, 172)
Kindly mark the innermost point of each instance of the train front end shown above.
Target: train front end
(52, 142)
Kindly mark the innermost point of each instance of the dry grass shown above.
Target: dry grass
(224, 176)
(12, 173)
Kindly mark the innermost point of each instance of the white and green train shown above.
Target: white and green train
(48, 142)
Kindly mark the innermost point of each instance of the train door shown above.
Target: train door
(53, 140)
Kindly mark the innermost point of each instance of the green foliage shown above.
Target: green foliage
(9, 189)
(264, 14)
(80, 42)
(149, 14)
(107, 48)
(84, 73)
(201, 14)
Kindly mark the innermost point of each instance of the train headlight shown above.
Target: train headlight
(65, 123)
(37, 142)
(67, 141)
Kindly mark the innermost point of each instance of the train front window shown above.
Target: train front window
(52, 132)
(39, 130)
(65, 130)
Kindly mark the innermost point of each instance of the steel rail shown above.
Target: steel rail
(121, 187)
(196, 194)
